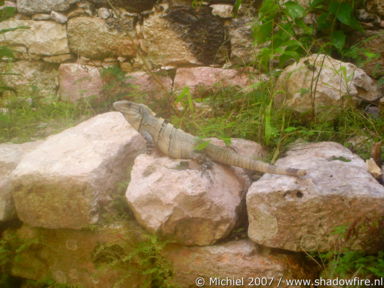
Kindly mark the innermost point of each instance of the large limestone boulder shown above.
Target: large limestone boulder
(10, 156)
(30, 78)
(185, 36)
(309, 213)
(209, 77)
(38, 6)
(85, 258)
(65, 180)
(44, 38)
(173, 197)
(109, 39)
(234, 264)
(78, 81)
(322, 83)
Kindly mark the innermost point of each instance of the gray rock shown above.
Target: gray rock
(302, 214)
(28, 77)
(41, 17)
(41, 38)
(324, 83)
(173, 198)
(59, 17)
(108, 39)
(103, 13)
(37, 6)
(10, 156)
(243, 50)
(65, 180)
(222, 10)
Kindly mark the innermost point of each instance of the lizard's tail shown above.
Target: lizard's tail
(226, 156)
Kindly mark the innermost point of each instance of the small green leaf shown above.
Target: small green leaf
(338, 39)
(201, 145)
(262, 33)
(2, 31)
(6, 52)
(294, 10)
(7, 12)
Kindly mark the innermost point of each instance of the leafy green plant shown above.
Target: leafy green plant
(285, 32)
(145, 257)
(346, 263)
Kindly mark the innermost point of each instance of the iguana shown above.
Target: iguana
(178, 144)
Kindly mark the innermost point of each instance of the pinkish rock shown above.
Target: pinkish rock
(154, 85)
(208, 77)
(79, 81)
(222, 264)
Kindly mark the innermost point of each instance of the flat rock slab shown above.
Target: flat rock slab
(38, 6)
(62, 183)
(173, 197)
(10, 155)
(310, 213)
(234, 264)
(79, 258)
(45, 38)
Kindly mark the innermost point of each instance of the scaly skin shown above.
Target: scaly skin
(178, 144)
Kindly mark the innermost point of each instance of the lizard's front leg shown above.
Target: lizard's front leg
(150, 144)
(204, 161)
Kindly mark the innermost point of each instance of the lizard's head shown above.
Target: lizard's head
(133, 112)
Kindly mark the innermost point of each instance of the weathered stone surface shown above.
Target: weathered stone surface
(81, 258)
(38, 6)
(59, 17)
(335, 85)
(171, 197)
(185, 36)
(106, 40)
(209, 77)
(222, 10)
(58, 58)
(376, 6)
(42, 38)
(10, 156)
(234, 260)
(79, 81)
(129, 5)
(163, 45)
(30, 78)
(41, 17)
(243, 51)
(245, 147)
(301, 214)
(63, 182)
(153, 85)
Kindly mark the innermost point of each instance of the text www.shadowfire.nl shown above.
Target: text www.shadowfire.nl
(281, 282)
